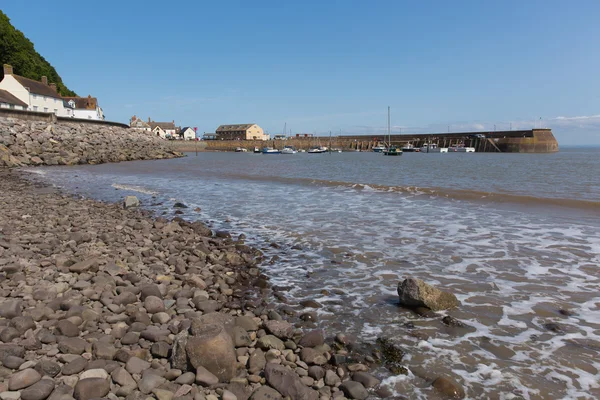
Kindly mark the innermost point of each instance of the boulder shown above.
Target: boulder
(416, 293)
(38, 391)
(288, 383)
(448, 388)
(212, 348)
(23, 379)
(354, 390)
(130, 202)
(91, 388)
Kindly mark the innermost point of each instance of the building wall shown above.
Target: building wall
(10, 84)
(189, 134)
(36, 102)
(87, 114)
(255, 132)
(12, 106)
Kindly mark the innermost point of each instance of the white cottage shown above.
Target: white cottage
(7, 100)
(39, 96)
(163, 129)
(187, 133)
(84, 107)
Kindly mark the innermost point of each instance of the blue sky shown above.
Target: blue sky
(330, 65)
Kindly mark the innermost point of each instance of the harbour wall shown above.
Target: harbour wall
(522, 141)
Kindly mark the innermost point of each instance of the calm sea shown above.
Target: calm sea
(515, 236)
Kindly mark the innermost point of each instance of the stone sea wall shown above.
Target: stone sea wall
(37, 142)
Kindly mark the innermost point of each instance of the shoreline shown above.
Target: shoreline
(102, 257)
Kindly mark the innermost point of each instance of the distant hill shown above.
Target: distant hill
(18, 51)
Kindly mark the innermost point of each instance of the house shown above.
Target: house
(140, 124)
(84, 107)
(241, 132)
(39, 96)
(187, 133)
(163, 129)
(7, 100)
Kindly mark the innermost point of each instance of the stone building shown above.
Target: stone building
(241, 132)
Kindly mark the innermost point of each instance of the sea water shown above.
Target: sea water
(516, 237)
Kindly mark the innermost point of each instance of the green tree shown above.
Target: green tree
(18, 51)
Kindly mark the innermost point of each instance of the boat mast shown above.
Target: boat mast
(389, 132)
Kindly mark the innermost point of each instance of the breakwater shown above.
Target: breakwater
(522, 141)
(33, 139)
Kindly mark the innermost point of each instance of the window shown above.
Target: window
(11, 106)
(35, 108)
(34, 96)
(55, 110)
(45, 109)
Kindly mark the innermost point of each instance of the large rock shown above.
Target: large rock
(354, 390)
(131, 201)
(265, 393)
(416, 293)
(38, 391)
(23, 379)
(212, 348)
(11, 308)
(91, 388)
(288, 383)
(448, 388)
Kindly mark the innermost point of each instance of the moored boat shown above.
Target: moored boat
(410, 148)
(240, 150)
(270, 150)
(289, 150)
(460, 148)
(257, 150)
(317, 150)
(379, 148)
(433, 148)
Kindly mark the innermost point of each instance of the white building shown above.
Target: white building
(39, 96)
(7, 100)
(187, 133)
(163, 129)
(84, 107)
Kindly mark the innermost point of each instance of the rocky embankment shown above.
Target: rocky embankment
(57, 143)
(99, 301)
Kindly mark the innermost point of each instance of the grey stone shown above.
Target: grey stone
(366, 379)
(160, 349)
(72, 345)
(10, 308)
(312, 339)
(154, 304)
(316, 372)
(67, 328)
(178, 353)
(241, 337)
(150, 382)
(205, 378)
(268, 342)
(91, 388)
(416, 293)
(331, 378)
(123, 378)
(136, 365)
(130, 202)
(22, 379)
(75, 366)
(281, 329)
(448, 388)
(186, 379)
(22, 323)
(266, 393)
(104, 351)
(84, 266)
(150, 290)
(38, 391)
(8, 334)
(312, 356)
(125, 298)
(212, 348)
(48, 367)
(354, 390)
(288, 383)
(12, 362)
(257, 361)
(246, 323)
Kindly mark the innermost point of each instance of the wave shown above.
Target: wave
(133, 188)
(444, 193)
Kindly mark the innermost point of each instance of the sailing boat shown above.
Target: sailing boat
(391, 150)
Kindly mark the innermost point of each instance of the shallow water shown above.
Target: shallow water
(515, 236)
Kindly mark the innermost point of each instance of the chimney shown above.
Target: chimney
(45, 80)
(148, 119)
(52, 85)
(8, 70)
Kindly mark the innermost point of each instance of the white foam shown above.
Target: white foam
(133, 188)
